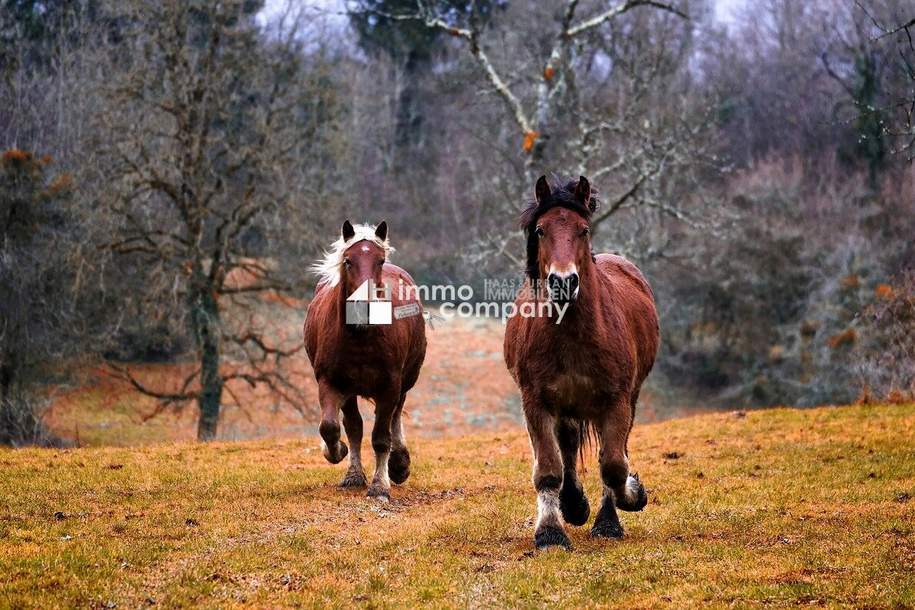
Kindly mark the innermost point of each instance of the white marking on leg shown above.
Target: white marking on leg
(355, 456)
(398, 438)
(381, 470)
(548, 513)
(632, 489)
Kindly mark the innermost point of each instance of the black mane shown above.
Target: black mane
(561, 196)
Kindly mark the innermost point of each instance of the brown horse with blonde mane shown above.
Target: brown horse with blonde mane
(379, 362)
(583, 374)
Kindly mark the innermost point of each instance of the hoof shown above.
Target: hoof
(635, 497)
(336, 455)
(574, 505)
(547, 537)
(607, 523)
(607, 529)
(399, 465)
(379, 492)
(353, 479)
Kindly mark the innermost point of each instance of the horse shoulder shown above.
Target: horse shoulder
(408, 332)
(316, 320)
(636, 299)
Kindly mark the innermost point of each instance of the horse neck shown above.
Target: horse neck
(583, 311)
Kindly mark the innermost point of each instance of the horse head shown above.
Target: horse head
(558, 231)
(363, 257)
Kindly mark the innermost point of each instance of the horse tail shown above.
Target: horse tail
(587, 438)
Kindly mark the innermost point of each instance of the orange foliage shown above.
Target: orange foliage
(883, 291)
(843, 339)
(776, 353)
(529, 138)
(14, 155)
(548, 73)
(62, 182)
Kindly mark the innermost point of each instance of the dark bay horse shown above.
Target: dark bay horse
(379, 362)
(583, 374)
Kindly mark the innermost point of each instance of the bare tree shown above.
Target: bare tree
(544, 102)
(206, 124)
(891, 21)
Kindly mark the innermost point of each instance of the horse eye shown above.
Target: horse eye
(538, 231)
(585, 232)
(347, 263)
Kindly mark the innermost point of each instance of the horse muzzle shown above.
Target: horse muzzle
(563, 288)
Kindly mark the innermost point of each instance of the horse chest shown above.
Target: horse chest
(579, 380)
(570, 390)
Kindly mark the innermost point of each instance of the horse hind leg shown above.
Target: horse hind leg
(547, 479)
(621, 489)
(399, 462)
(352, 423)
(572, 500)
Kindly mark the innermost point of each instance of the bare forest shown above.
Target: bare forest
(170, 170)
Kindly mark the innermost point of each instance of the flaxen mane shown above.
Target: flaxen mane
(328, 269)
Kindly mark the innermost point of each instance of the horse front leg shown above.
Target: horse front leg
(399, 463)
(385, 406)
(547, 477)
(352, 423)
(621, 489)
(572, 500)
(331, 400)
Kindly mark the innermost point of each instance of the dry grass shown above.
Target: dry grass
(778, 507)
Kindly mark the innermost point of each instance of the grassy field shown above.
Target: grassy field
(776, 507)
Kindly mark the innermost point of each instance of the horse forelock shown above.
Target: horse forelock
(328, 269)
(562, 196)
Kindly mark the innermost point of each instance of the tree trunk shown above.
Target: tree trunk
(205, 321)
(408, 124)
(8, 373)
(6, 381)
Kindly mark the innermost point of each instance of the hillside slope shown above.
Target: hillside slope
(776, 507)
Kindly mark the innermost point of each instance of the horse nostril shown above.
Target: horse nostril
(562, 288)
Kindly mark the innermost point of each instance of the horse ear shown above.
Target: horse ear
(542, 190)
(583, 192)
(381, 231)
(348, 231)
